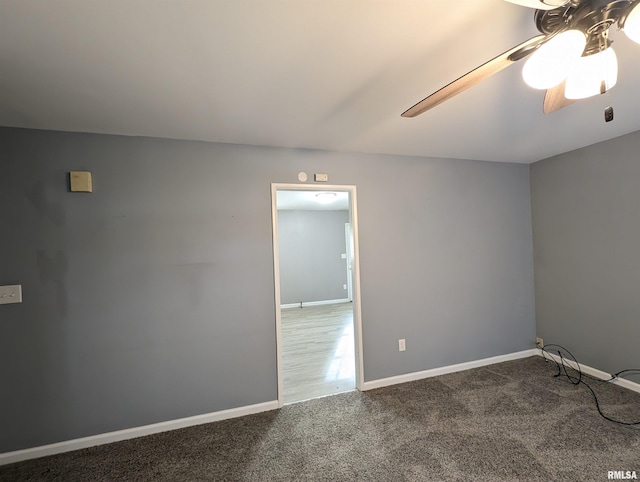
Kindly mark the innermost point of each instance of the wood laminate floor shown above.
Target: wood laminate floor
(317, 351)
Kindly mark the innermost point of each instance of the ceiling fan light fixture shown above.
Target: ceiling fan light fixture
(555, 3)
(588, 74)
(552, 62)
(632, 24)
(540, 4)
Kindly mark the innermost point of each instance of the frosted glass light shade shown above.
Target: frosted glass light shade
(632, 24)
(586, 76)
(551, 63)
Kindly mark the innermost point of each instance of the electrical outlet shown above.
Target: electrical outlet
(539, 342)
(401, 345)
(10, 294)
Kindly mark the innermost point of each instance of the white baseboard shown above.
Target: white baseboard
(315, 303)
(434, 372)
(594, 372)
(105, 438)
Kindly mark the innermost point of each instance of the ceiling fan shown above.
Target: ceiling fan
(572, 57)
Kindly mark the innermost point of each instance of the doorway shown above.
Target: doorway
(317, 295)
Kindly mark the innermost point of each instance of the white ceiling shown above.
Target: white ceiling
(321, 74)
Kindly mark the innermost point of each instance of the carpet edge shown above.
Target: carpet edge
(134, 432)
(434, 372)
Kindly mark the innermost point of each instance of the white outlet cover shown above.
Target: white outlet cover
(10, 294)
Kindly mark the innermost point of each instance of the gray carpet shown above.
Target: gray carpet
(504, 422)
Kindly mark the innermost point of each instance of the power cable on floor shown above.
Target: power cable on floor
(565, 358)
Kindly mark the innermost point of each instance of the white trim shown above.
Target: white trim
(594, 372)
(276, 277)
(434, 372)
(355, 273)
(357, 312)
(117, 436)
(129, 433)
(314, 303)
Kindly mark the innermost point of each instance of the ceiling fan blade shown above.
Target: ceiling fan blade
(477, 75)
(554, 99)
(540, 4)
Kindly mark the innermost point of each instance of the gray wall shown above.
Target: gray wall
(311, 268)
(153, 298)
(586, 229)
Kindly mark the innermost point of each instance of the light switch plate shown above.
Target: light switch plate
(321, 177)
(10, 294)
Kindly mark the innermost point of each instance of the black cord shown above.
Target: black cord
(562, 368)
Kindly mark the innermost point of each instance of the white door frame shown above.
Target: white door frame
(357, 314)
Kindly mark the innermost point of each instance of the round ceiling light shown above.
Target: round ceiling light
(592, 75)
(552, 62)
(632, 24)
(326, 197)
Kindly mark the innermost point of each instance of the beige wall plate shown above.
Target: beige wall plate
(80, 181)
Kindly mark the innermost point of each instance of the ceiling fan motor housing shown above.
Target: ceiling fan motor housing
(593, 17)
